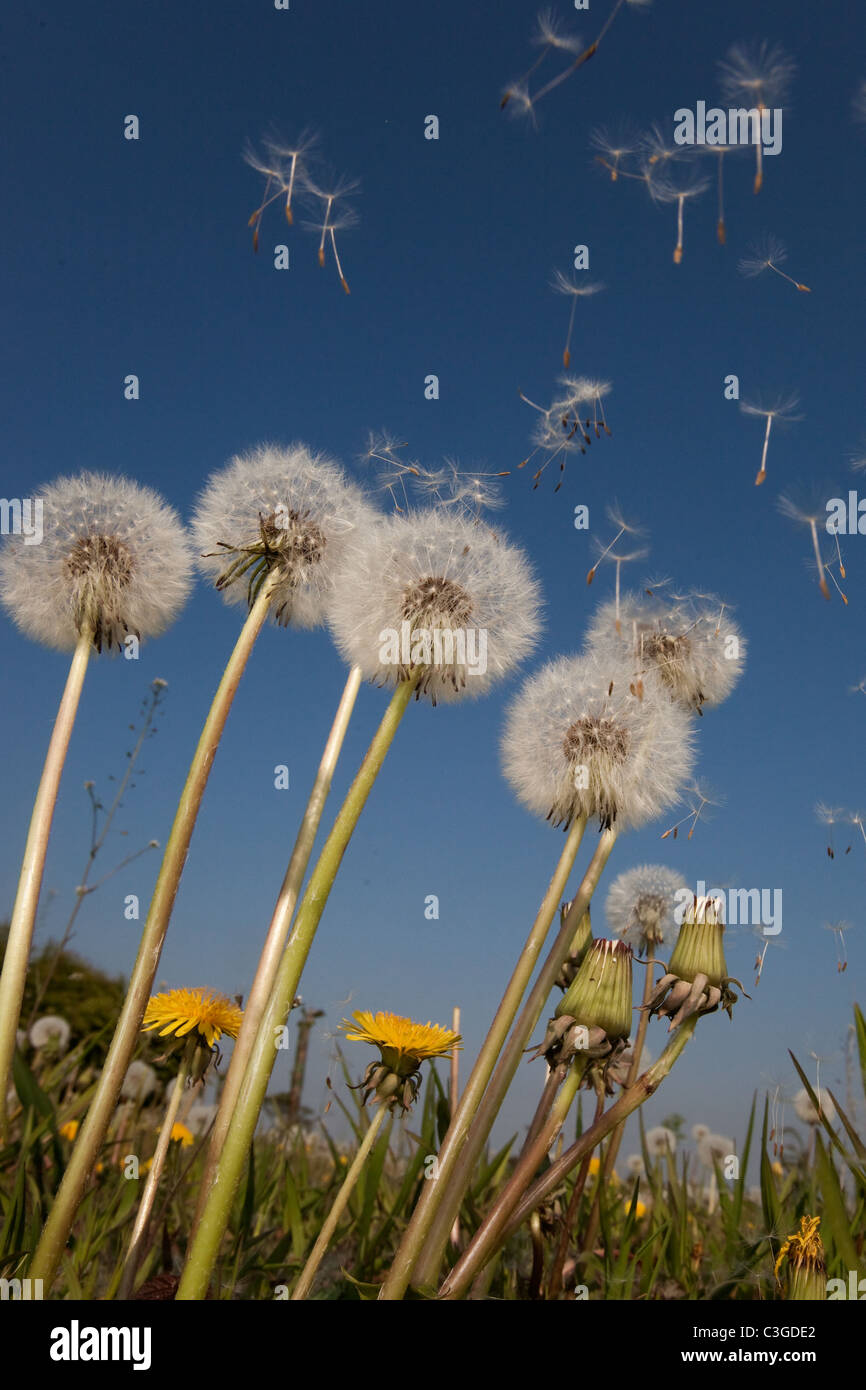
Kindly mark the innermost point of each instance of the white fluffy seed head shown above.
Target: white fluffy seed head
(714, 1148)
(806, 1110)
(140, 1081)
(282, 510)
(692, 644)
(635, 1165)
(641, 905)
(577, 741)
(434, 590)
(51, 1031)
(660, 1141)
(700, 1132)
(114, 558)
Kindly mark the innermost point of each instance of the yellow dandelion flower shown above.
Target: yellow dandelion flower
(804, 1247)
(182, 1010)
(594, 1165)
(404, 1045)
(69, 1130)
(181, 1135)
(640, 1208)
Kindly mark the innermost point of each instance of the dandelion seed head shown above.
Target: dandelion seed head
(806, 1110)
(634, 1165)
(50, 1031)
(661, 1141)
(114, 558)
(713, 1148)
(692, 644)
(285, 510)
(140, 1081)
(641, 905)
(441, 573)
(700, 1132)
(578, 742)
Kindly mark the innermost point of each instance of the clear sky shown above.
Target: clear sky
(135, 257)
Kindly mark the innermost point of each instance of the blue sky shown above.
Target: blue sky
(135, 257)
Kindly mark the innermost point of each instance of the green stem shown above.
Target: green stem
(479, 1252)
(471, 1263)
(92, 1134)
(20, 936)
(317, 1254)
(612, 1149)
(427, 1268)
(135, 1249)
(266, 971)
(433, 1192)
(217, 1209)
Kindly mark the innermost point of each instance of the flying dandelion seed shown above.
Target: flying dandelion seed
(613, 148)
(468, 493)
(805, 1106)
(590, 52)
(830, 563)
(856, 818)
(568, 424)
(757, 76)
(574, 289)
(283, 167)
(721, 152)
(829, 816)
(550, 38)
(781, 412)
(839, 929)
(617, 557)
(768, 254)
(334, 218)
(382, 450)
(668, 190)
(698, 798)
(809, 518)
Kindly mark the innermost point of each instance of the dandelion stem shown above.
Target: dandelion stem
(631, 1076)
(308, 1273)
(275, 940)
(135, 1249)
(427, 1234)
(23, 920)
(215, 1215)
(465, 1270)
(71, 1191)
(484, 1247)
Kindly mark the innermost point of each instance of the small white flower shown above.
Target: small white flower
(691, 643)
(113, 557)
(279, 509)
(641, 904)
(660, 1141)
(51, 1031)
(140, 1082)
(578, 742)
(806, 1110)
(434, 590)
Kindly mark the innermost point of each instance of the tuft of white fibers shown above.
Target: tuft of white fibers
(714, 1148)
(283, 509)
(577, 741)
(50, 1031)
(660, 1141)
(434, 590)
(691, 643)
(641, 905)
(634, 1165)
(113, 555)
(806, 1110)
(700, 1132)
(140, 1081)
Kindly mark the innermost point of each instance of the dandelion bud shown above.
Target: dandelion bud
(806, 1266)
(580, 944)
(699, 949)
(600, 995)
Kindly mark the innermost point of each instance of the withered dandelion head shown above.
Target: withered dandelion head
(113, 560)
(403, 1046)
(180, 1012)
(282, 515)
(437, 597)
(803, 1252)
(577, 742)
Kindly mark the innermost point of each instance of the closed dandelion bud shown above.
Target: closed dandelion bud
(699, 949)
(803, 1253)
(601, 993)
(580, 944)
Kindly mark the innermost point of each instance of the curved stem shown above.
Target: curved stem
(135, 1249)
(487, 1237)
(434, 1193)
(317, 1254)
(275, 940)
(90, 1138)
(204, 1246)
(427, 1269)
(20, 936)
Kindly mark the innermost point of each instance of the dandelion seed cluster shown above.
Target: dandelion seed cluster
(641, 905)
